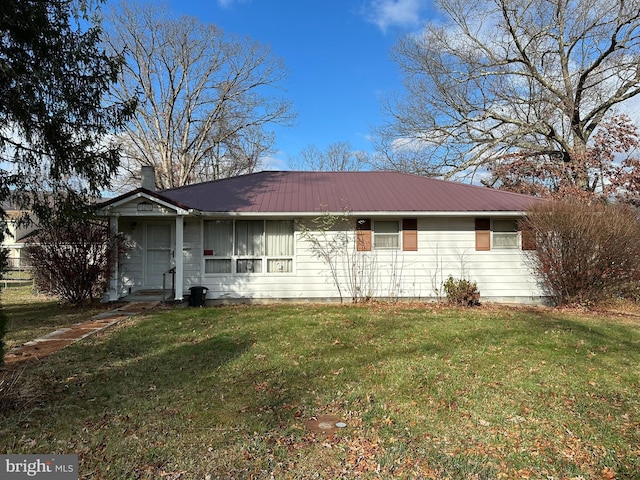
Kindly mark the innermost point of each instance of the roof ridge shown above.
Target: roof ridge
(173, 189)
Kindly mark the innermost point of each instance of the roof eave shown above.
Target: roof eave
(108, 206)
(475, 213)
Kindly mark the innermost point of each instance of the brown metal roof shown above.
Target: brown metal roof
(144, 191)
(303, 192)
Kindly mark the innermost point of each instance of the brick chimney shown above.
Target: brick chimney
(148, 174)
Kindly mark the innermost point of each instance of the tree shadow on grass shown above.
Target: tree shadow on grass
(162, 362)
(155, 372)
(617, 337)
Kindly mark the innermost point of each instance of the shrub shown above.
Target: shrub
(4, 263)
(73, 258)
(462, 292)
(3, 321)
(628, 291)
(4, 260)
(585, 252)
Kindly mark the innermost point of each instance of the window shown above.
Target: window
(279, 244)
(216, 265)
(496, 234)
(246, 246)
(249, 237)
(218, 241)
(252, 265)
(386, 235)
(505, 234)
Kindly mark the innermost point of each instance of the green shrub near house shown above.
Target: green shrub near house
(461, 292)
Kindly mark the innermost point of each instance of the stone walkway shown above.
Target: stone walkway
(55, 341)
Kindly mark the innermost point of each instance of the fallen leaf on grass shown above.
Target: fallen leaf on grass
(516, 419)
(607, 473)
(261, 387)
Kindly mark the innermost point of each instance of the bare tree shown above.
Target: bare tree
(338, 157)
(496, 77)
(206, 98)
(331, 238)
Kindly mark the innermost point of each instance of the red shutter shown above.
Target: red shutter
(483, 234)
(363, 235)
(410, 234)
(528, 236)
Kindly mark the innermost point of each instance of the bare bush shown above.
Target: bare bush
(74, 258)
(585, 252)
(3, 324)
(332, 240)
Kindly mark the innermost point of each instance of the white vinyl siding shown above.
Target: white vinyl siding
(290, 269)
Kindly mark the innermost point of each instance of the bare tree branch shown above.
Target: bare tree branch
(501, 76)
(338, 157)
(206, 98)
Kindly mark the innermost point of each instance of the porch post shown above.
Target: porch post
(179, 257)
(112, 293)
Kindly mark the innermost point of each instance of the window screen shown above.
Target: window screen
(386, 234)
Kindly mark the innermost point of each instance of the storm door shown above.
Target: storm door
(158, 252)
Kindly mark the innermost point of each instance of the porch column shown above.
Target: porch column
(179, 257)
(112, 292)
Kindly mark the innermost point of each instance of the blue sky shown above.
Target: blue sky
(337, 55)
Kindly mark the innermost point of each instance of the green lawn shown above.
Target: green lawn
(31, 316)
(426, 392)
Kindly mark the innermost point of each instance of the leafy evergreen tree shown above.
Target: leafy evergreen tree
(54, 122)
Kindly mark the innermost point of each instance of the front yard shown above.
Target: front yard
(426, 392)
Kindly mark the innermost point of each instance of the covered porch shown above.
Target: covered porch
(152, 267)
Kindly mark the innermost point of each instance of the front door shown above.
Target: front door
(158, 253)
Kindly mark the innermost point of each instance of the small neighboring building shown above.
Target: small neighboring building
(15, 237)
(323, 236)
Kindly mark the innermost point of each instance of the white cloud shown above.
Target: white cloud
(228, 3)
(395, 13)
(272, 162)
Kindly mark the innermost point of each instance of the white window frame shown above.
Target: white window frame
(501, 231)
(270, 264)
(379, 235)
